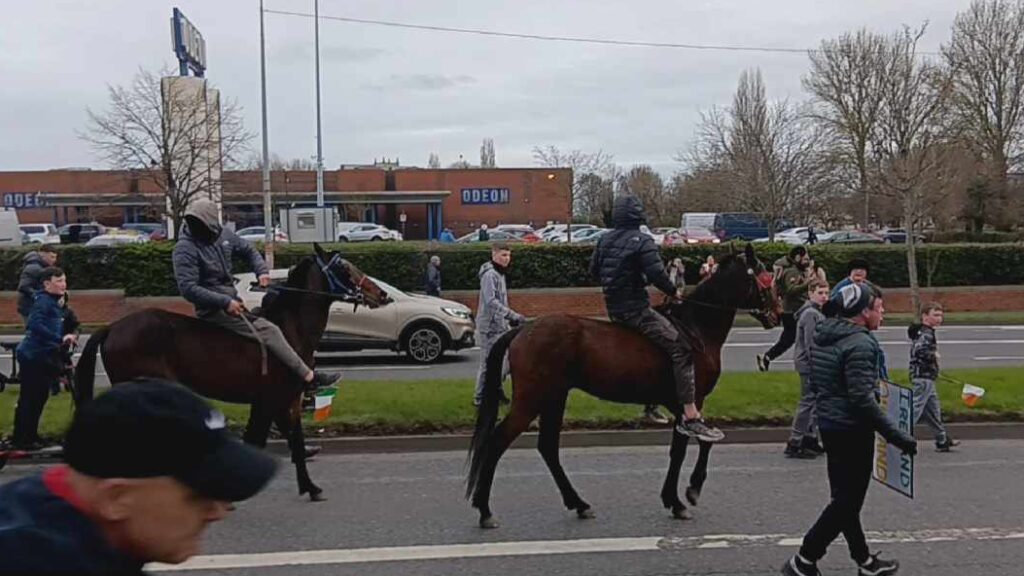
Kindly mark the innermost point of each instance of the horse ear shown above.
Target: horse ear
(319, 250)
(749, 254)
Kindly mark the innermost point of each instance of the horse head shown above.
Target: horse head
(347, 281)
(761, 298)
(741, 282)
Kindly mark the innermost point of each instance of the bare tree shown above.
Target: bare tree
(909, 155)
(255, 162)
(844, 81)
(765, 156)
(984, 61)
(487, 154)
(585, 199)
(171, 137)
(647, 185)
(594, 198)
(434, 161)
(460, 164)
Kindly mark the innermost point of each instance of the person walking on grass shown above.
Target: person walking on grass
(803, 440)
(924, 370)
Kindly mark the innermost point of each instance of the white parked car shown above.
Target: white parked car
(581, 235)
(366, 232)
(423, 327)
(259, 234)
(41, 233)
(115, 239)
(659, 239)
(548, 233)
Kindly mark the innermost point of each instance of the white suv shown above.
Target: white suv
(423, 327)
(41, 233)
(365, 232)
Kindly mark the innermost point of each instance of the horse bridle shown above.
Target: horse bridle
(761, 281)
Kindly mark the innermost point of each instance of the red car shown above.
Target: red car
(525, 236)
(690, 236)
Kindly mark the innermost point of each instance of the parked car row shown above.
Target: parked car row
(800, 235)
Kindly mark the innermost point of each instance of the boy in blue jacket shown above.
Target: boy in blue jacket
(40, 357)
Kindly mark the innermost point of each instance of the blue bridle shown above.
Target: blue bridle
(335, 285)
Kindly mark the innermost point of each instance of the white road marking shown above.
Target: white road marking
(891, 343)
(582, 546)
(986, 358)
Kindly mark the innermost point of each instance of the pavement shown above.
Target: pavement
(960, 346)
(403, 514)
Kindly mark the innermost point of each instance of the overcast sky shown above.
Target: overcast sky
(406, 93)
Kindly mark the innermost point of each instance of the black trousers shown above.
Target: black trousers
(37, 376)
(786, 339)
(665, 336)
(850, 455)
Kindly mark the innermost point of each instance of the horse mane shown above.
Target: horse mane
(707, 290)
(275, 300)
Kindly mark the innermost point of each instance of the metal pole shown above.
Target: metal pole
(268, 220)
(319, 138)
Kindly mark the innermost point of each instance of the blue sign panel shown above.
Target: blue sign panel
(189, 45)
(485, 195)
(24, 200)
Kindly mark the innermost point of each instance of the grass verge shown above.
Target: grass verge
(438, 406)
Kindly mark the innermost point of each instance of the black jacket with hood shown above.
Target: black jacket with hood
(845, 368)
(202, 261)
(626, 260)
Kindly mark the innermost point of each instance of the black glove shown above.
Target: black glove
(905, 443)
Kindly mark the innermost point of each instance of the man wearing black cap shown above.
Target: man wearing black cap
(149, 466)
(845, 371)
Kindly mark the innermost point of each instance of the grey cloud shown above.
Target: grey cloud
(423, 82)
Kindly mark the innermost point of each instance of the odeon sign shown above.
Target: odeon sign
(485, 195)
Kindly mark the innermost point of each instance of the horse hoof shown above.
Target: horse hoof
(585, 513)
(488, 523)
(692, 495)
(681, 513)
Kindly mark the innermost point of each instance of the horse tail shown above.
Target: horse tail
(85, 372)
(487, 412)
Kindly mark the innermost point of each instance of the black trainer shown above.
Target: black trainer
(795, 566)
(878, 567)
(946, 445)
(799, 452)
(811, 443)
(325, 379)
(763, 362)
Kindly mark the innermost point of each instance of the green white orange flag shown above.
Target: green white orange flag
(322, 405)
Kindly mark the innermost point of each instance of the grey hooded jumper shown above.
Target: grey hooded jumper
(493, 318)
(203, 273)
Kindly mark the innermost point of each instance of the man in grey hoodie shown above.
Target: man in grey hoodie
(202, 269)
(803, 441)
(29, 281)
(494, 317)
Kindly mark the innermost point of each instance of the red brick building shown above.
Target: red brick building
(460, 199)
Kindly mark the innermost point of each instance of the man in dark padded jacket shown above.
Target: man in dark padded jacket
(845, 370)
(626, 260)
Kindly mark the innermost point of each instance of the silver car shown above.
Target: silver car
(423, 327)
(366, 233)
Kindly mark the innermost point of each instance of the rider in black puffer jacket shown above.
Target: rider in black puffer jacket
(626, 260)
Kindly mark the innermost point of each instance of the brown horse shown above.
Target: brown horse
(222, 365)
(554, 354)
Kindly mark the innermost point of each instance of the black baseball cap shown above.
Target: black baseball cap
(151, 427)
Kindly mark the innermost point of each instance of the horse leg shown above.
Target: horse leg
(699, 475)
(547, 444)
(258, 427)
(670, 491)
(514, 424)
(290, 424)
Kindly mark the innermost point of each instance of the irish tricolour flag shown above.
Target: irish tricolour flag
(323, 401)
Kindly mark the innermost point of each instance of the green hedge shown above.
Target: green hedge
(982, 237)
(145, 270)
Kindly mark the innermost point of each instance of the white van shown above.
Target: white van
(10, 233)
(704, 220)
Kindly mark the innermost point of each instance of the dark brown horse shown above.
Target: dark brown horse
(222, 365)
(554, 354)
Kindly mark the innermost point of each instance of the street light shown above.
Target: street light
(268, 221)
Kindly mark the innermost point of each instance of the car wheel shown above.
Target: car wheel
(425, 344)
(342, 239)
(376, 239)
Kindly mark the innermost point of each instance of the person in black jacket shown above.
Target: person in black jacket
(626, 260)
(433, 280)
(29, 282)
(845, 370)
(39, 357)
(924, 370)
(149, 465)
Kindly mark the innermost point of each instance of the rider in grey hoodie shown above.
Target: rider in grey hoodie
(494, 317)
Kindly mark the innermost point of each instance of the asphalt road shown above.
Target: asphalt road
(403, 514)
(960, 346)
